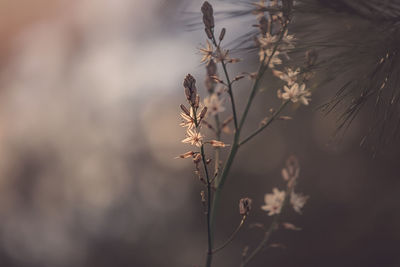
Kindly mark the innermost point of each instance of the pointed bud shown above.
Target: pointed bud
(203, 113)
(185, 110)
(190, 89)
(245, 206)
(222, 34)
(208, 17)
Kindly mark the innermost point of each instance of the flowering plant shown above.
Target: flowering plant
(274, 43)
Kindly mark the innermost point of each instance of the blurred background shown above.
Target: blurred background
(89, 114)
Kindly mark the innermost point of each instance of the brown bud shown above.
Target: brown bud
(239, 77)
(208, 17)
(197, 158)
(185, 110)
(245, 206)
(186, 155)
(203, 113)
(222, 34)
(190, 89)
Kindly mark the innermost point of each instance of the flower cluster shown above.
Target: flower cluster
(274, 202)
(272, 46)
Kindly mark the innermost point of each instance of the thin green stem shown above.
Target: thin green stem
(233, 235)
(269, 121)
(272, 227)
(229, 83)
(203, 158)
(263, 242)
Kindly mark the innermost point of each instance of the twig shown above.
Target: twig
(232, 236)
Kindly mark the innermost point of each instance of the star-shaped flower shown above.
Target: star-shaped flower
(194, 138)
(274, 202)
(298, 201)
(207, 52)
(295, 93)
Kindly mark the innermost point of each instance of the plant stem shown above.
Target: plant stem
(203, 158)
(229, 83)
(235, 146)
(232, 235)
(269, 121)
(272, 227)
(263, 242)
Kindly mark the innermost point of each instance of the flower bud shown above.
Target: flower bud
(208, 17)
(222, 34)
(190, 89)
(245, 206)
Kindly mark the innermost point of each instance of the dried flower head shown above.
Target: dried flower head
(189, 154)
(189, 84)
(216, 143)
(245, 206)
(274, 202)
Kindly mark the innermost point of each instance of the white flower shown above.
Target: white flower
(274, 201)
(214, 104)
(207, 52)
(290, 76)
(193, 137)
(266, 40)
(295, 93)
(188, 121)
(298, 201)
(288, 41)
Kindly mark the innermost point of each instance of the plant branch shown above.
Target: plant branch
(229, 83)
(269, 121)
(232, 235)
(263, 242)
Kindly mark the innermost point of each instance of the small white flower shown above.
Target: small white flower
(290, 76)
(288, 41)
(214, 104)
(295, 94)
(188, 121)
(266, 40)
(207, 52)
(193, 137)
(298, 201)
(274, 201)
